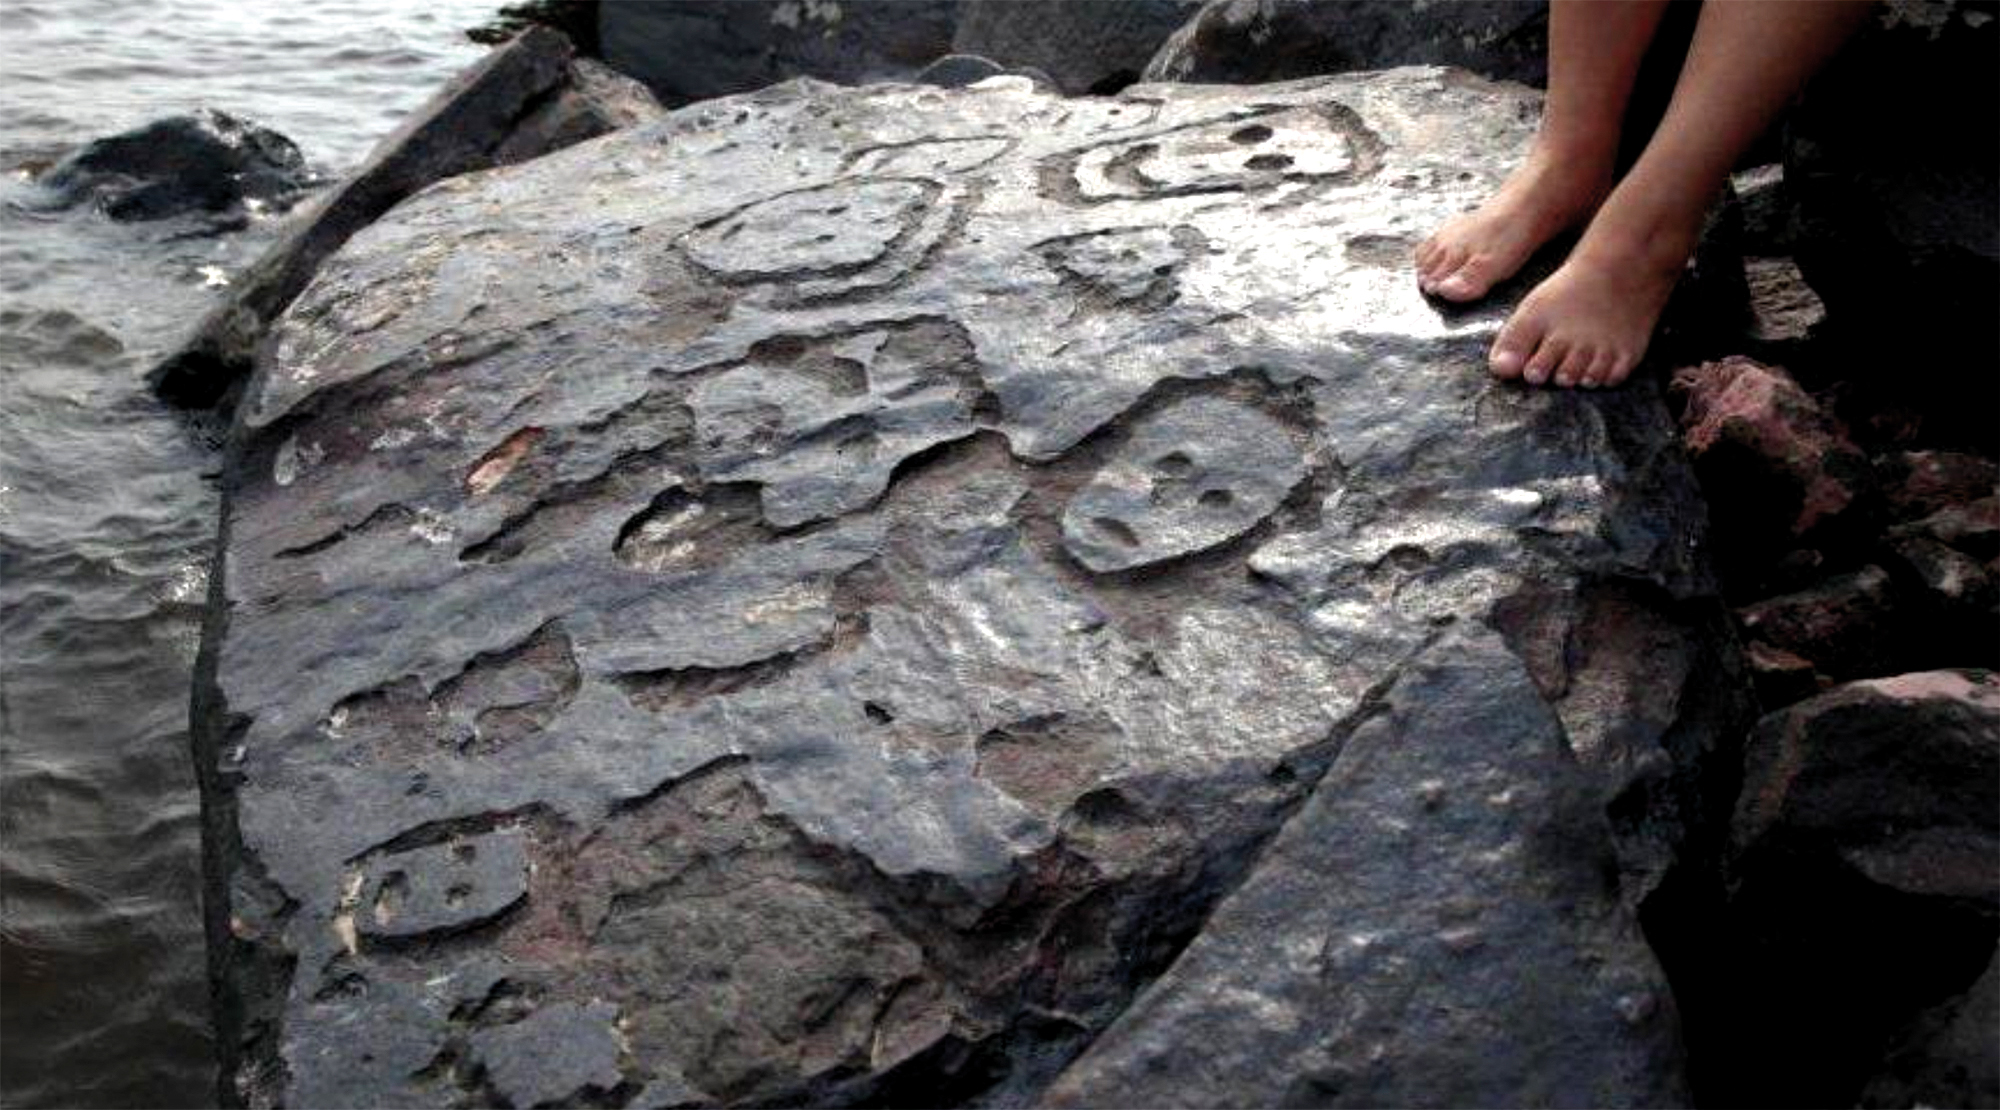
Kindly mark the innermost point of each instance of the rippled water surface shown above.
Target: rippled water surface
(107, 511)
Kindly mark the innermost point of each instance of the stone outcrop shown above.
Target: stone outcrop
(830, 596)
(203, 162)
(1087, 46)
(1246, 41)
(522, 100)
(689, 50)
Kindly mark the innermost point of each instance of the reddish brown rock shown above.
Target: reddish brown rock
(1781, 677)
(1776, 467)
(1846, 625)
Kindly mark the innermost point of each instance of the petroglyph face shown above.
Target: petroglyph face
(1253, 153)
(1197, 474)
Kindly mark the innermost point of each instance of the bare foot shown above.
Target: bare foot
(1590, 322)
(1549, 194)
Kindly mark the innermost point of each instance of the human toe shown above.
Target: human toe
(1620, 368)
(1517, 340)
(1574, 365)
(1446, 259)
(1541, 366)
(1470, 280)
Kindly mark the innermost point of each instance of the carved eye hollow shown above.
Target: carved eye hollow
(1251, 135)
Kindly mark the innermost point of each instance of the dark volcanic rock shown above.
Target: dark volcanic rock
(1432, 929)
(207, 161)
(1896, 778)
(1846, 625)
(1918, 483)
(688, 50)
(1865, 892)
(889, 560)
(593, 99)
(1245, 41)
(458, 130)
(1087, 46)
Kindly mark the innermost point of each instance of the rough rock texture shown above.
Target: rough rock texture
(1432, 929)
(1844, 625)
(1898, 778)
(836, 586)
(1783, 308)
(1087, 46)
(1864, 887)
(593, 99)
(206, 161)
(688, 50)
(457, 131)
(1893, 160)
(1242, 41)
(1780, 472)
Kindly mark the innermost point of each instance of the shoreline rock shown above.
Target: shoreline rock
(821, 642)
(518, 102)
(203, 162)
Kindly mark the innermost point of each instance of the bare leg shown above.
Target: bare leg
(1594, 51)
(1590, 322)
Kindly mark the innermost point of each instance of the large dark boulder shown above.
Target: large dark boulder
(1865, 899)
(688, 50)
(819, 600)
(1245, 41)
(1087, 46)
(205, 161)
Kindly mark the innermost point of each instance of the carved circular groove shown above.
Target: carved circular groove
(831, 229)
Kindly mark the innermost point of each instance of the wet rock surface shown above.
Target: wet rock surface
(204, 162)
(822, 597)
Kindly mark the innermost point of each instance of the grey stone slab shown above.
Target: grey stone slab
(1430, 930)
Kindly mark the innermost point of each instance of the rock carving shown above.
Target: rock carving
(806, 602)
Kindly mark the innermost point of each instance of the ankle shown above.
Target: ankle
(1587, 163)
(1659, 243)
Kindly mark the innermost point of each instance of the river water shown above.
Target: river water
(107, 508)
